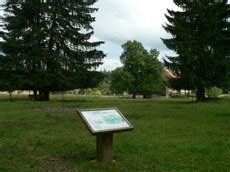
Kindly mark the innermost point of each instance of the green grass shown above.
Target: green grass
(168, 135)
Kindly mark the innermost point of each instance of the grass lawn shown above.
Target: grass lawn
(168, 135)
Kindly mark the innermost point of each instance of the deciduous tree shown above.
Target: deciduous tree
(142, 69)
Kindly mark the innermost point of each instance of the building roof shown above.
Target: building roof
(169, 74)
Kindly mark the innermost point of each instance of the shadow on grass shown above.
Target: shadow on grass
(207, 100)
(14, 100)
(72, 101)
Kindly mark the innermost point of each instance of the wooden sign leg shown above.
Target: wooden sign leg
(104, 147)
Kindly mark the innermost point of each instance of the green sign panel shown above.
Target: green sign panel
(105, 120)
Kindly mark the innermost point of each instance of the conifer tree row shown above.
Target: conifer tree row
(47, 46)
(201, 39)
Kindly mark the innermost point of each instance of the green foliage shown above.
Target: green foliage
(91, 91)
(201, 38)
(179, 95)
(105, 84)
(120, 81)
(213, 92)
(151, 74)
(142, 69)
(46, 45)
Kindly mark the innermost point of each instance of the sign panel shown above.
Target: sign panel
(104, 120)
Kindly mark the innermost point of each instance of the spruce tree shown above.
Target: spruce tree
(22, 47)
(201, 39)
(47, 42)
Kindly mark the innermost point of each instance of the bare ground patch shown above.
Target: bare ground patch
(57, 162)
(51, 109)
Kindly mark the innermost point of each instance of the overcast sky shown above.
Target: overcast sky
(118, 21)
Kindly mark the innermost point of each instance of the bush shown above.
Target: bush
(213, 92)
(177, 95)
(91, 91)
(193, 95)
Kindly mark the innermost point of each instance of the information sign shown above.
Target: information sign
(104, 120)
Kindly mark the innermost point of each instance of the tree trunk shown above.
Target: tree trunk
(10, 93)
(147, 96)
(200, 94)
(47, 95)
(134, 95)
(167, 92)
(44, 95)
(35, 95)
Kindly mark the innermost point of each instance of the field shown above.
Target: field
(169, 135)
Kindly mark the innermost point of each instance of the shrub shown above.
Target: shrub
(177, 95)
(91, 91)
(193, 95)
(213, 92)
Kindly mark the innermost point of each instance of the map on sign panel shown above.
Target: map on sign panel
(105, 119)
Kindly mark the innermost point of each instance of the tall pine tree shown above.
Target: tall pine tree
(201, 39)
(22, 48)
(47, 45)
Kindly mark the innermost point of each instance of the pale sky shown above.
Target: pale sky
(118, 21)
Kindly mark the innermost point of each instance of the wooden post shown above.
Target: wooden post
(104, 147)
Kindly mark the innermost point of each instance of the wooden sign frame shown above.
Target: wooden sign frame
(106, 131)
